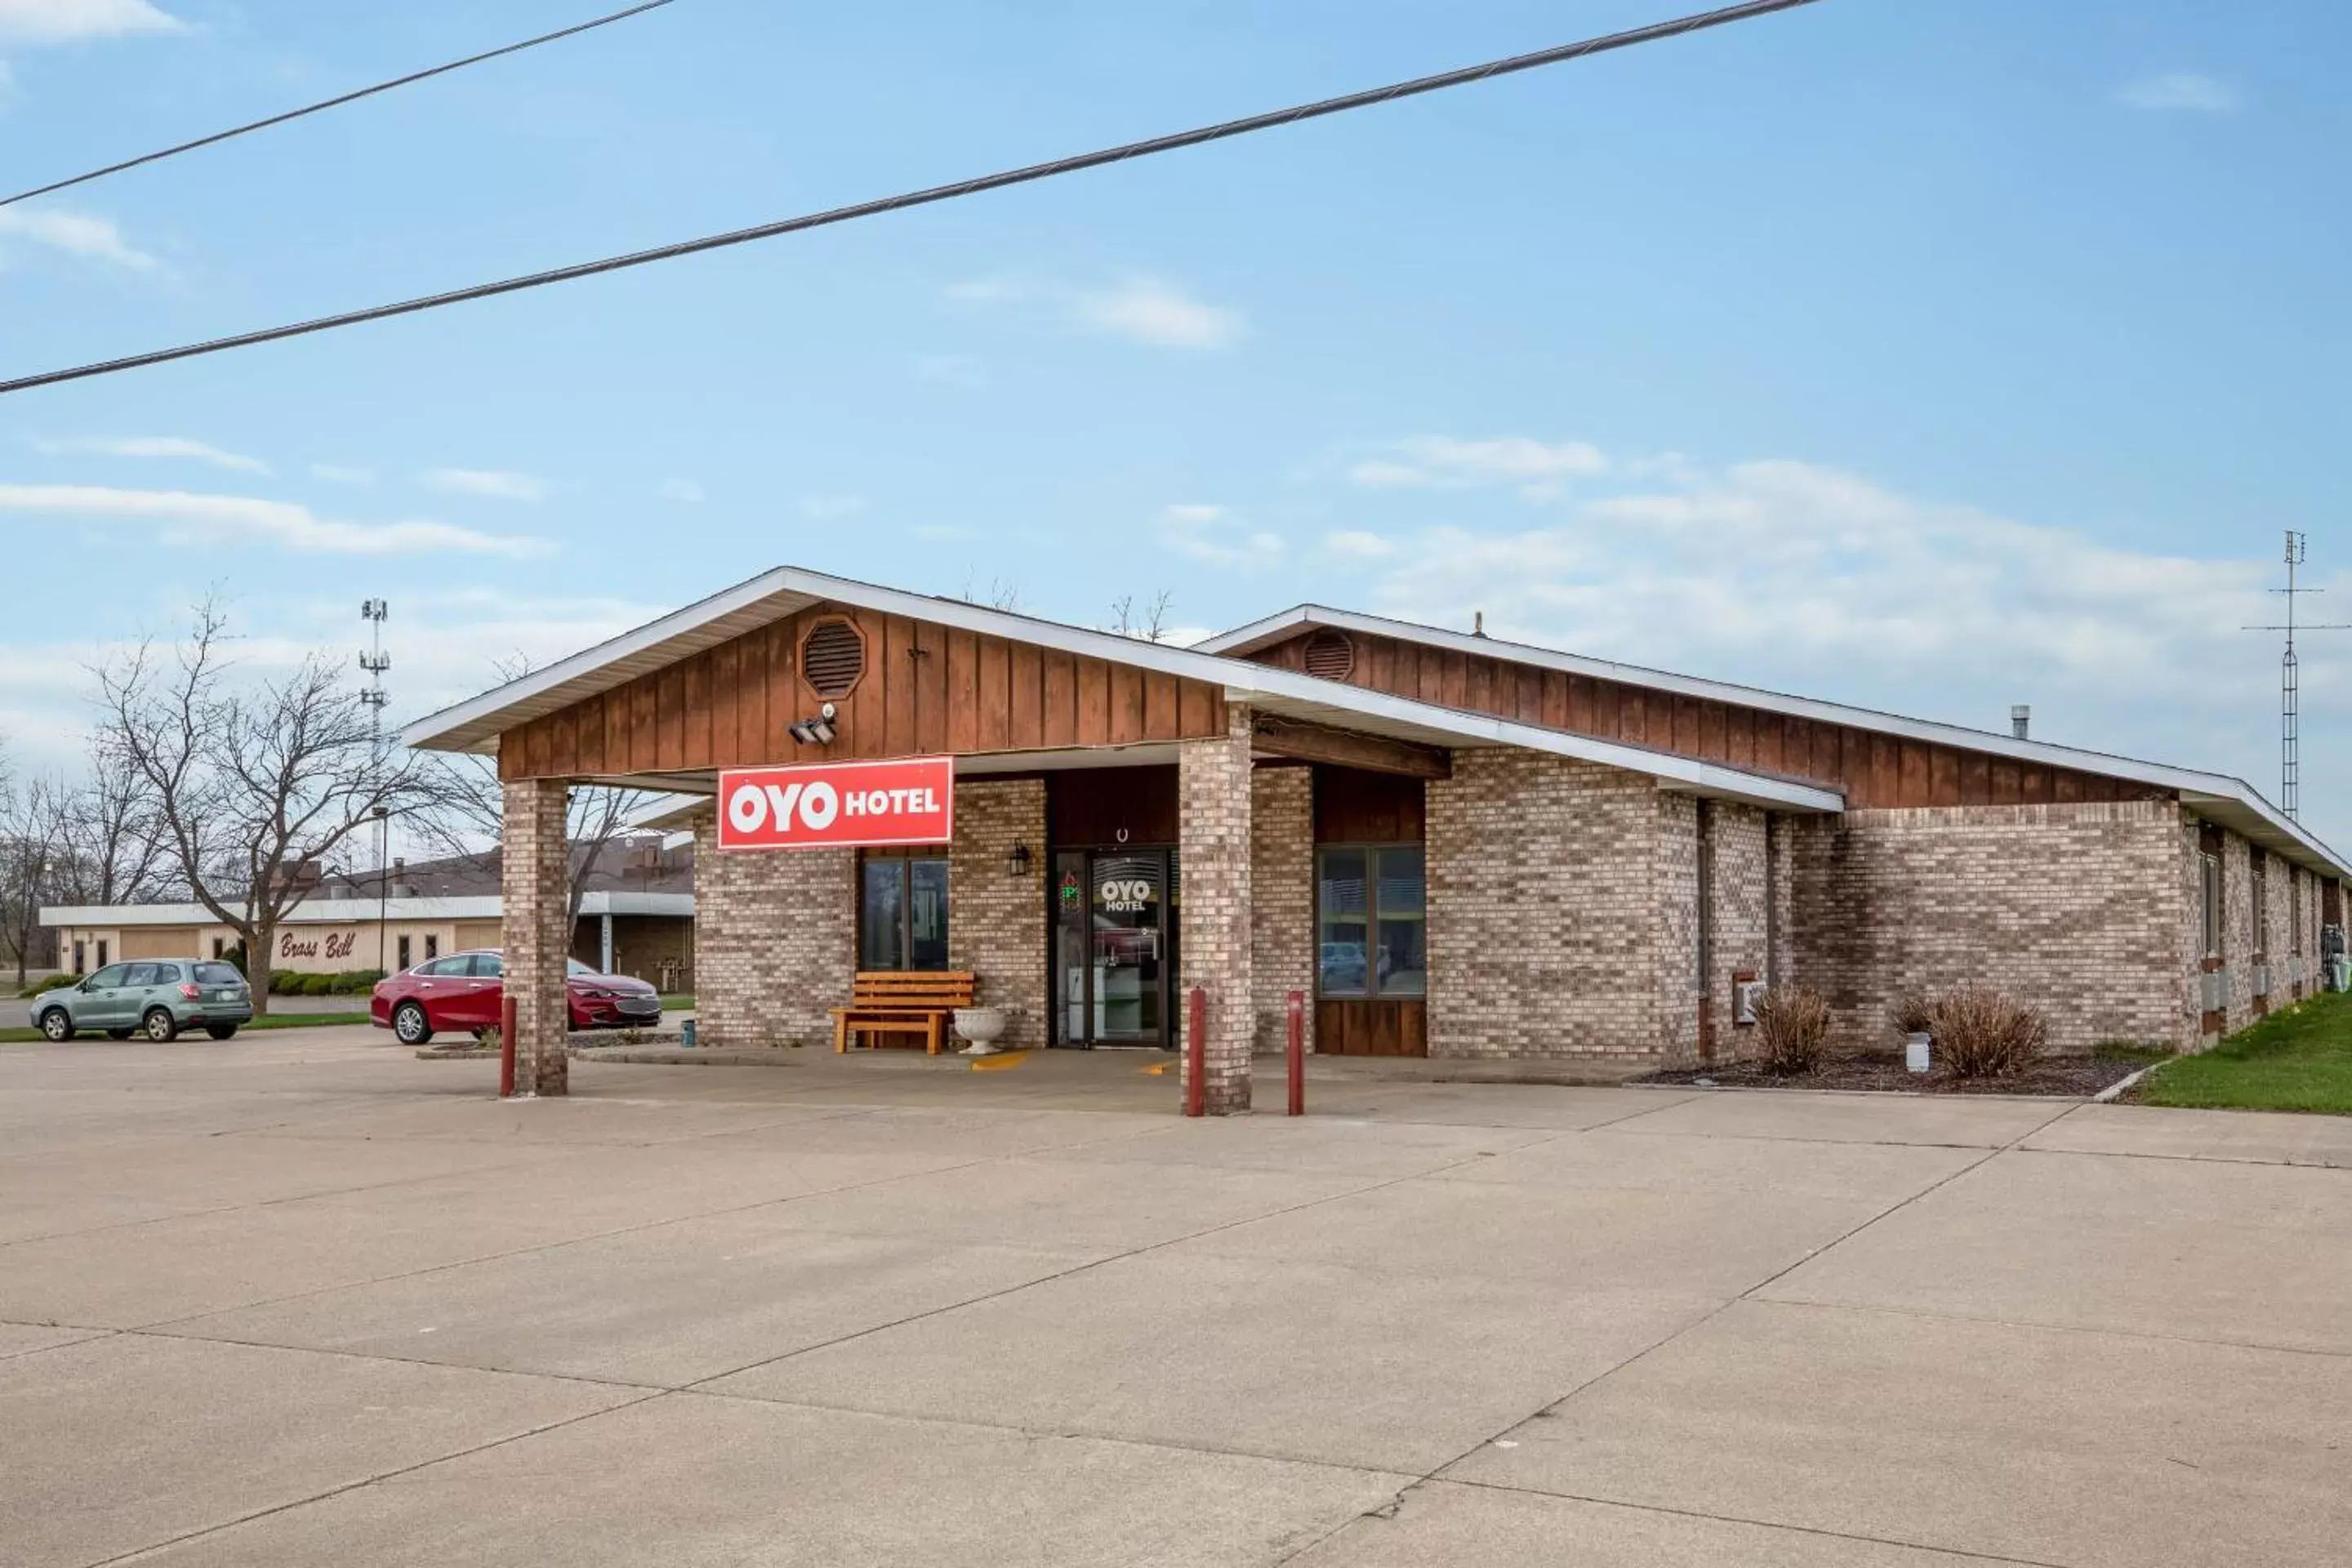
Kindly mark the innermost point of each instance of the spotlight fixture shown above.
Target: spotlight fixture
(817, 731)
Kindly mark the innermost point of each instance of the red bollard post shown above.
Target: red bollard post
(1295, 1004)
(506, 1046)
(1196, 1054)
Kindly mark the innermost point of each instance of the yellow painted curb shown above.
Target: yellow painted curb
(999, 1064)
(1158, 1070)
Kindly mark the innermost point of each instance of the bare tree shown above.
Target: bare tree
(1146, 622)
(469, 820)
(251, 784)
(111, 838)
(1004, 593)
(28, 854)
(469, 817)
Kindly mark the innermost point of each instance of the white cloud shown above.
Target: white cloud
(64, 21)
(2181, 91)
(75, 234)
(336, 474)
(831, 508)
(492, 483)
(1801, 577)
(1212, 535)
(1357, 545)
(1541, 469)
(686, 492)
(1147, 311)
(155, 446)
(188, 518)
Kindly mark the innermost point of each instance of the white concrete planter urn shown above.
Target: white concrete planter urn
(983, 1026)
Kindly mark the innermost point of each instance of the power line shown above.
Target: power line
(219, 136)
(999, 181)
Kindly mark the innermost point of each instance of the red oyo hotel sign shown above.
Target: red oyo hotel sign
(910, 800)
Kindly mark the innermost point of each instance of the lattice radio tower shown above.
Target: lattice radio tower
(2291, 681)
(375, 661)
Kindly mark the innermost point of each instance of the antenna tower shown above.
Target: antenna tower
(375, 661)
(2291, 681)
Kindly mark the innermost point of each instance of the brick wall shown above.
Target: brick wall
(1779, 832)
(776, 942)
(2075, 908)
(1282, 900)
(2238, 931)
(1213, 798)
(996, 921)
(1674, 959)
(1543, 909)
(534, 885)
(1742, 917)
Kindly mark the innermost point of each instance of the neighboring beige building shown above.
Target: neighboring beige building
(649, 935)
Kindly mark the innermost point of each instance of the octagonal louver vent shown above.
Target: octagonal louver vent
(1330, 656)
(833, 658)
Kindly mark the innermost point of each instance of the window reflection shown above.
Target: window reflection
(1372, 926)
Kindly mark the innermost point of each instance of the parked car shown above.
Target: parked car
(157, 998)
(466, 990)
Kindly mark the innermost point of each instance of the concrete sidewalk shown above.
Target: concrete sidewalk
(302, 1297)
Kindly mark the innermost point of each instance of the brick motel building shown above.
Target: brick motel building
(1456, 847)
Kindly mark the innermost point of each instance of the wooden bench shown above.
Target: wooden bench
(891, 1002)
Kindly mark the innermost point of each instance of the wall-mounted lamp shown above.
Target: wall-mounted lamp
(1017, 863)
(817, 731)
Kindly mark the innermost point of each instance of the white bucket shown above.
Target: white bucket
(1915, 1052)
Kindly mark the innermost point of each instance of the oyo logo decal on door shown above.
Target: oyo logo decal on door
(909, 801)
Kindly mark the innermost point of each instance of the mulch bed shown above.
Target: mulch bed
(2075, 1077)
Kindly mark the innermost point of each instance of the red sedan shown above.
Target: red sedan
(464, 992)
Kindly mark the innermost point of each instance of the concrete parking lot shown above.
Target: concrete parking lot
(303, 1299)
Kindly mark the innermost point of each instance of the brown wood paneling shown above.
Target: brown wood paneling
(996, 695)
(963, 691)
(1060, 700)
(1371, 1027)
(1203, 708)
(931, 711)
(1353, 807)
(1094, 805)
(1026, 670)
(2006, 787)
(1160, 707)
(1126, 704)
(1555, 700)
(1943, 776)
(1976, 778)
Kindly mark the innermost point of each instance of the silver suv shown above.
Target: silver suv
(157, 999)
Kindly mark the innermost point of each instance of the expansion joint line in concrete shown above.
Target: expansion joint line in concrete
(1598, 1378)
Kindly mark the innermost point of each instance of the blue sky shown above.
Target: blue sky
(1934, 354)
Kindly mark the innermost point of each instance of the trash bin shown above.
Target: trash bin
(685, 1034)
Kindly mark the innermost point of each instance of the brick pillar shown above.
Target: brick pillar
(1212, 785)
(535, 935)
(1282, 900)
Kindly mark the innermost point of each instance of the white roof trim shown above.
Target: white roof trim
(360, 912)
(2228, 800)
(473, 725)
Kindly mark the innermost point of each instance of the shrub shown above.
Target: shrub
(53, 982)
(1980, 1032)
(1792, 1028)
(356, 982)
(1915, 1015)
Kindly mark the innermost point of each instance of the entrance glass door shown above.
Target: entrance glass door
(1113, 941)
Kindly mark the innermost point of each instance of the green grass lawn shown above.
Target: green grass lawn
(274, 1021)
(2299, 1059)
(681, 1003)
